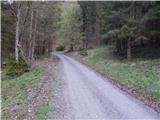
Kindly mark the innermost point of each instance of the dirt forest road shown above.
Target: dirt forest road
(89, 96)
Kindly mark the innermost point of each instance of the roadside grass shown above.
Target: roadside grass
(142, 74)
(15, 91)
(43, 110)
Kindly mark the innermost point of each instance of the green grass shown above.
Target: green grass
(14, 91)
(43, 110)
(141, 73)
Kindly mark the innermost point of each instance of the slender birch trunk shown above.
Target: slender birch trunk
(17, 34)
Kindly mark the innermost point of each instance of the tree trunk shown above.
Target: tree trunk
(71, 47)
(121, 45)
(88, 26)
(17, 34)
(117, 48)
(98, 23)
(97, 31)
(34, 37)
(129, 50)
(30, 35)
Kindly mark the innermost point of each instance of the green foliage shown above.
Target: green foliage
(60, 48)
(70, 25)
(15, 91)
(43, 110)
(106, 12)
(137, 22)
(112, 34)
(140, 73)
(105, 38)
(15, 69)
(7, 31)
(83, 52)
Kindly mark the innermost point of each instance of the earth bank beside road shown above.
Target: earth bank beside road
(28, 96)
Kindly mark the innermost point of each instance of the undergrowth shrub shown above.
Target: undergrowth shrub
(14, 69)
(83, 52)
(60, 48)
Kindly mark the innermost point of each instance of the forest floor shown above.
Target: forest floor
(140, 77)
(28, 96)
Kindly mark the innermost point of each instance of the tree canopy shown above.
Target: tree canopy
(79, 25)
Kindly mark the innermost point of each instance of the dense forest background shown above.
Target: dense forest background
(31, 29)
(119, 39)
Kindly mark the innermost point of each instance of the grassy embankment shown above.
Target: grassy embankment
(43, 110)
(19, 90)
(141, 73)
(15, 91)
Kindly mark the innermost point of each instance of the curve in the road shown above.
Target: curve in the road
(93, 97)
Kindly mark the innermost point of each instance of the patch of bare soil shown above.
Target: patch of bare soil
(131, 90)
(44, 88)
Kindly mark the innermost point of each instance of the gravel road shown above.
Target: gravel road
(87, 95)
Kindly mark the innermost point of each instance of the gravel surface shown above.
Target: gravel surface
(84, 94)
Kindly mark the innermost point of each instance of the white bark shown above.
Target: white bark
(17, 34)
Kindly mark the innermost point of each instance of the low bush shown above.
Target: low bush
(14, 69)
(83, 52)
(60, 48)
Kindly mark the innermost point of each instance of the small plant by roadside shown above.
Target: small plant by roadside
(43, 110)
(14, 69)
